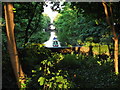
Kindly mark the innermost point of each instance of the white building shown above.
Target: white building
(53, 41)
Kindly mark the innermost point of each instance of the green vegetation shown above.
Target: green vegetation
(73, 26)
(73, 71)
(77, 24)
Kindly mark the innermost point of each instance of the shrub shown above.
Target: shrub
(32, 55)
(74, 71)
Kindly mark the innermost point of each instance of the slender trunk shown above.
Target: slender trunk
(115, 38)
(116, 43)
(9, 17)
(116, 55)
(90, 50)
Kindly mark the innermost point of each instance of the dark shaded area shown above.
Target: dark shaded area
(83, 71)
(8, 77)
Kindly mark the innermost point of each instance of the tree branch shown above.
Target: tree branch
(30, 20)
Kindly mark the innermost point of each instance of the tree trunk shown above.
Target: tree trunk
(11, 45)
(90, 50)
(109, 50)
(115, 38)
(116, 55)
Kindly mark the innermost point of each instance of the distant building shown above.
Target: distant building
(53, 41)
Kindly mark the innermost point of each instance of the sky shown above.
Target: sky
(49, 12)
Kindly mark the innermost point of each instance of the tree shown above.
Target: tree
(110, 21)
(29, 23)
(67, 27)
(40, 36)
(93, 23)
(103, 10)
(9, 17)
(73, 26)
(28, 18)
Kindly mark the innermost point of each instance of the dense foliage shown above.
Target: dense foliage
(76, 25)
(72, 71)
(74, 28)
(29, 23)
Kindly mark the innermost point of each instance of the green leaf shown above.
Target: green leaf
(48, 71)
(60, 79)
(51, 85)
(14, 11)
(96, 21)
(53, 78)
(41, 80)
(65, 86)
(57, 73)
(14, 8)
(33, 71)
(60, 85)
(40, 68)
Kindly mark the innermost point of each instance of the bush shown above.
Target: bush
(32, 55)
(48, 76)
(74, 71)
